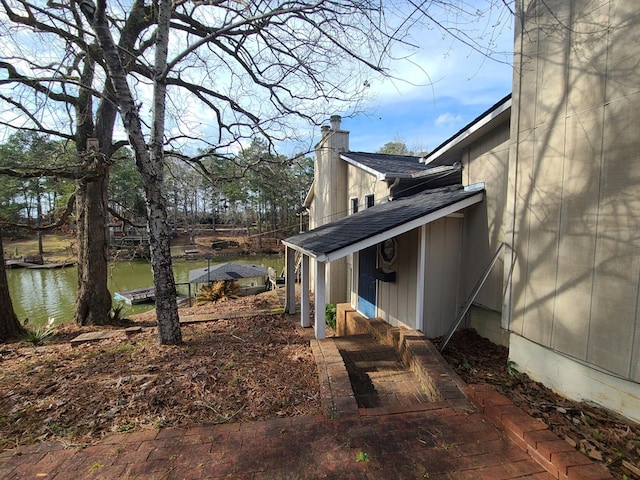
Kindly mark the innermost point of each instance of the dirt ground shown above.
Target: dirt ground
(602, 436)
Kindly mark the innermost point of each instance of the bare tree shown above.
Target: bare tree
(51, 79)
(219, 73)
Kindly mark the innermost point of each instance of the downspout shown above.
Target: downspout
(395, 183)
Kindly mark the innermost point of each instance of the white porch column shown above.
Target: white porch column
(320, 293)
(305, 318)
(290, 281)
(421, 272)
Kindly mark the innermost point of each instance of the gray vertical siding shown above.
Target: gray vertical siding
(576, 161)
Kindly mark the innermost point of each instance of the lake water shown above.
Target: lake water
(40, 294)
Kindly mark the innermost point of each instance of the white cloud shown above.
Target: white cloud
(448, 120)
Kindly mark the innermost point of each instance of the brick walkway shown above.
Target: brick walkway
(447, 438)
(430, 444)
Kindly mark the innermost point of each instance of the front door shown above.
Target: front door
(367, 281)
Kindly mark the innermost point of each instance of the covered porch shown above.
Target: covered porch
(363, 230)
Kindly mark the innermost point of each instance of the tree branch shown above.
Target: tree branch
(42, 228)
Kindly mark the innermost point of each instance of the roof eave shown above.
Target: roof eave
(308, 253)
(376, 173)
(478, 125)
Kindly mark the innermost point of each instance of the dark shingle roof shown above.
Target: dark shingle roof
(387, 164)
(226, 271)
(347, 231)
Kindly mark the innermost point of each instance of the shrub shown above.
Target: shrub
(37, 336)
(217, 291)
(115, 315)
(330, 315)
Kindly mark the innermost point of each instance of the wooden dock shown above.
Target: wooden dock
(15, 263)
(51, 265)
(138, 295)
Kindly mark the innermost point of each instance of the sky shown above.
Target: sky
(452, 86)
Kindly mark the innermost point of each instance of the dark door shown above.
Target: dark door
(367, 281)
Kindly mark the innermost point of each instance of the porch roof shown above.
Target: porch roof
(374, 225)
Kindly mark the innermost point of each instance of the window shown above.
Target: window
(354, 205)
(369, 200)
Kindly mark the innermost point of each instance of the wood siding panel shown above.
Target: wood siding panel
(587, 62)
(623, 61)
(444, 243)
(521, 214)
(362, 183)
(585, 87)
(397, 300)
(543, 201)
(486, 161)
(525, 67)
(580, 190)
(617, 260)
(552, 59)
(407, 281)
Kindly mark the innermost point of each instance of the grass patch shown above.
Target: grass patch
(55, 246)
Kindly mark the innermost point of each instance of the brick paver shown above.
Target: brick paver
(413, 445)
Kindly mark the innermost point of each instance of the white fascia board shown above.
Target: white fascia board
(377, 174)
(468, 132)
(400, 229)
(310, 194)
(299, 249)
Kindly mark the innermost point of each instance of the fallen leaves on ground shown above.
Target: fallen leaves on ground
(243, 369)
(601, 435)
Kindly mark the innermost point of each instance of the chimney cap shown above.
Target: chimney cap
(335, 122)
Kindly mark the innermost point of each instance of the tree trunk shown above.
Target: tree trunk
(149, 161)
(94, 299)
(10, 327)
(166, 306)
(39, 223)
(152, 171)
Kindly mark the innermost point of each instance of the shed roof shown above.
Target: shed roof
(368, 227)
(226, 271)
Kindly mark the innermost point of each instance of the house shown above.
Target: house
(539, 194)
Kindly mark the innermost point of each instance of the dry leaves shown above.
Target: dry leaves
(243, 369)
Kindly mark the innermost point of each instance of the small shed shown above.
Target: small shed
(250, 277)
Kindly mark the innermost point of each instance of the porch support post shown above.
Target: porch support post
(421, 272)
(320, 300)
(290, 282)
(305, 318)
